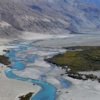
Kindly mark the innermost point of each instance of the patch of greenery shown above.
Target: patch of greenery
(26, 97)
(4, 60)
(79, 59)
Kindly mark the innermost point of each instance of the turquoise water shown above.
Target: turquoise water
(48, 91)
(65, 83)
(21, 56)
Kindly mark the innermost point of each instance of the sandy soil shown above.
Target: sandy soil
(11, 89)
(77, 40)
(80, 90)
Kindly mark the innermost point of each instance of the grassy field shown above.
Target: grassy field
(79, 59)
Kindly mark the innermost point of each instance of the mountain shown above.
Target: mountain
(49, 16)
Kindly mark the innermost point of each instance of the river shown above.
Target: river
(18, 63)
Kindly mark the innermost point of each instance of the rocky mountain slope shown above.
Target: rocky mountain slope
(49, 16)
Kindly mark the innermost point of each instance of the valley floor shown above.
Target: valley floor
(11, 89)
(79, 90)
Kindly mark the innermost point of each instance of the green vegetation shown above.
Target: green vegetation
(26, 97)
(4, 60)
(79, 59)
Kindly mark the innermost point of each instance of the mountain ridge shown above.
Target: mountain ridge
(49, 16)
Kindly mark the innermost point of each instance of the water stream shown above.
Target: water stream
(19, 58)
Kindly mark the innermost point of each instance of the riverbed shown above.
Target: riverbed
(23, 57)
(28, 66)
